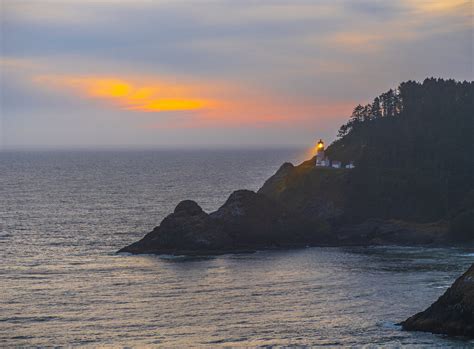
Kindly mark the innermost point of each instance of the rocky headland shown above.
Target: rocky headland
(412, 185)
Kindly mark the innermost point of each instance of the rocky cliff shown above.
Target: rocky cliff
(452, 313)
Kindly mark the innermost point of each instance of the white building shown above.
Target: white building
(350, 165)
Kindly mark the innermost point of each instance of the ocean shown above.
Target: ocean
(64, 214)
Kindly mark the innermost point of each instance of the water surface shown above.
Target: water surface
(64, 214)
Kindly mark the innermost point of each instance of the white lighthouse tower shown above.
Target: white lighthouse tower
(321, 160)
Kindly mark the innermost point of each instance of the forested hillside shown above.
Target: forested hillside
(414, 154)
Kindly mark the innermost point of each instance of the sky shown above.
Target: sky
(167, 73)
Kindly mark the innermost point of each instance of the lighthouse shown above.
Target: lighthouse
(323, 161)
(320, 158)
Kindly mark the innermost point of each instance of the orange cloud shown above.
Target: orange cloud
(146, 96)
(204, 104)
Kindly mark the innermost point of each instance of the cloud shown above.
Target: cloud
(190, 104)
(145, 96)
(438, 6)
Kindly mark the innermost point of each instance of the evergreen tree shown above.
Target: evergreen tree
(376, 109)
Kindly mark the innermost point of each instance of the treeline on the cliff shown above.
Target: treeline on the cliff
(413, 148)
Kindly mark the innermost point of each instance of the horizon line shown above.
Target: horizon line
(151, 147)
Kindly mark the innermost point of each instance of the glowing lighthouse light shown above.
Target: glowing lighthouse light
(321, 159)
(320, 145)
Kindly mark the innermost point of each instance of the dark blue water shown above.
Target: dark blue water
(64, 214)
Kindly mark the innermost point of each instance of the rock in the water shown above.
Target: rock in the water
(452, 314)
(188, 228)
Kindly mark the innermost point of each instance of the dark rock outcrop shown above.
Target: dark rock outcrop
(188, 228)
(452, 314)
(246, 221)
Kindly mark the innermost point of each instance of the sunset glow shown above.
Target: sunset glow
(267, 72)
(171, 104)
(151, 97)
(210, 103)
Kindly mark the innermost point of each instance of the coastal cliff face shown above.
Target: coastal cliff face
(452, 313)
(309, 191)
(324, 195)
